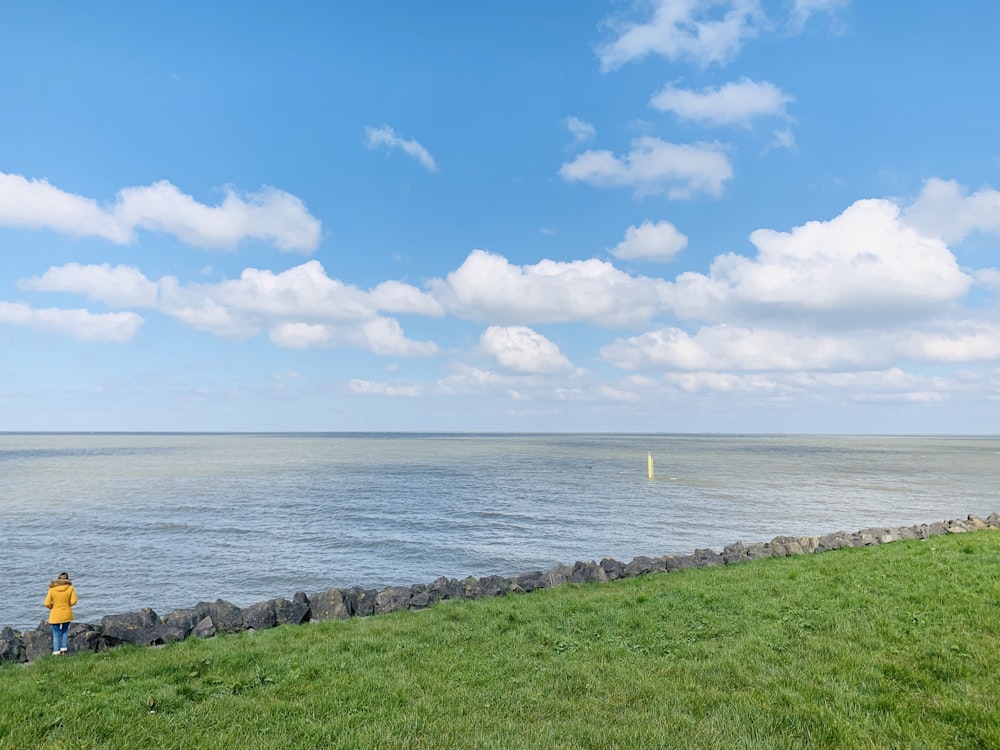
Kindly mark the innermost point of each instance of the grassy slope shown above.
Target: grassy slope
(893, 646)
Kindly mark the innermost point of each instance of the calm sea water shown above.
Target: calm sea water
(165, 521)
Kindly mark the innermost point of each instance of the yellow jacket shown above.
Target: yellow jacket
(60, 599)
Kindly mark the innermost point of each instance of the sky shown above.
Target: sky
(721, 216)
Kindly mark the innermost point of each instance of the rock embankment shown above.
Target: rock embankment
(206, 619)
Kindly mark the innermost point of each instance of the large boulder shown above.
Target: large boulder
(142, 628)
(184, 619)
(360, 601)
(37, 643)
(227, 618)
(10, 645)
(392, 598)
(204, 628)
(331, 604)
(84, 637)
(260, 616)
(292, 612)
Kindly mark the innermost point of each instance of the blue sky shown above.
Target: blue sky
(653, 216)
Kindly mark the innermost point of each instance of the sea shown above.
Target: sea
(168, 520)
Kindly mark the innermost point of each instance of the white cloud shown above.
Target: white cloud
(114, 327)
(121, 286)
(862, 263)
(657, 242)
(397, 297)
(300, 335)
(38, 205)
(654, 167)
(966, 341)
(804, 9)
(705, 32)
(726, 347)
(382, 336)
(731, 104)
(385, 336)
(944, 210)
(487, 287)
(372, 388)
(732, 348)
(520, 349)
(582, 131)
(301, 307)
(386, 137)
(783, 138)
(269, 214)
(988, 278)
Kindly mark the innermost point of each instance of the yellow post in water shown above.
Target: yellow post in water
(651, 465)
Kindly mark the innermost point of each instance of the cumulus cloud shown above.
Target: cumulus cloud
(964, 341)
(582, 131)
(120, 286)
(945, 209)
(83, 325)
(487, 287)
(726, 347)
(397, 297)
(385, 137)
(36, 204)
(520, 349)
(372, 388)
(731, 104)
(382, 336)
(705, 32)
(268, 214)
(300, 307)
(654, 167)
(657, 242)
(864, 262)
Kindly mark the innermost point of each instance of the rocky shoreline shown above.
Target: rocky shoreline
(206, 619)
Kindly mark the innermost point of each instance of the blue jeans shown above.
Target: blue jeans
(60, 636)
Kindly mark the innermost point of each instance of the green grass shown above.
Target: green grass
(895, 646)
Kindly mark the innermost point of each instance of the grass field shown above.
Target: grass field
(896, 646)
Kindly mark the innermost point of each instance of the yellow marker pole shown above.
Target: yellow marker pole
(650, 465)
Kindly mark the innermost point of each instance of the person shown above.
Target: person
(60, 599)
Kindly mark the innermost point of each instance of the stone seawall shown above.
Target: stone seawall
(204, 620)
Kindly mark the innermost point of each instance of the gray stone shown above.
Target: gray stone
(331, 604)
(360, 602)
(444, 588)
(205, 628)
(260, 616)
(530, 581)
(228, 618)
(142, 628)
(612, 568)
(642, 565)
(704, 558)
(37, 643)
(291, 612)
(183, 619)
(10, 645)
(680, 562)
(392, 598)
